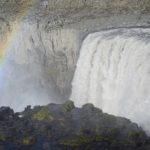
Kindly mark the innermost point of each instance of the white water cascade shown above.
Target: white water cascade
(113, 73)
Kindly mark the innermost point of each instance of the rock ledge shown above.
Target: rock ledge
(65, 127)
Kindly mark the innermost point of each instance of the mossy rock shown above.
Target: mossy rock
(82, 140)
(88, 106)
(2, 138)
(43, 115)
(28, 141)
(68, 106)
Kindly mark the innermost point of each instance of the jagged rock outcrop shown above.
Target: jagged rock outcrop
(64, 127)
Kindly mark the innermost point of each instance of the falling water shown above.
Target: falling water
(113, 73)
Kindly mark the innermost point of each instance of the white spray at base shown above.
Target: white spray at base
(113, 73)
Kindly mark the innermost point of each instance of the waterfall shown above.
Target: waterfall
(113, 73)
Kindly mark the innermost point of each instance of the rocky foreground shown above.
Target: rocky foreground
(65, 127)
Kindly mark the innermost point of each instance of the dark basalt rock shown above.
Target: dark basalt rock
(65, 127)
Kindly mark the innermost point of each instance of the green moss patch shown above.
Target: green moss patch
(42, 115)
(2, 138)
(28, 141)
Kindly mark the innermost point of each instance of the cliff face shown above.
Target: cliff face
(108, 5)
(47, 36)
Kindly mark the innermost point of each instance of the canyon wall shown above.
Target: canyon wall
(46, 39)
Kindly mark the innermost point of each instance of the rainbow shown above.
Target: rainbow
(6, 39)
